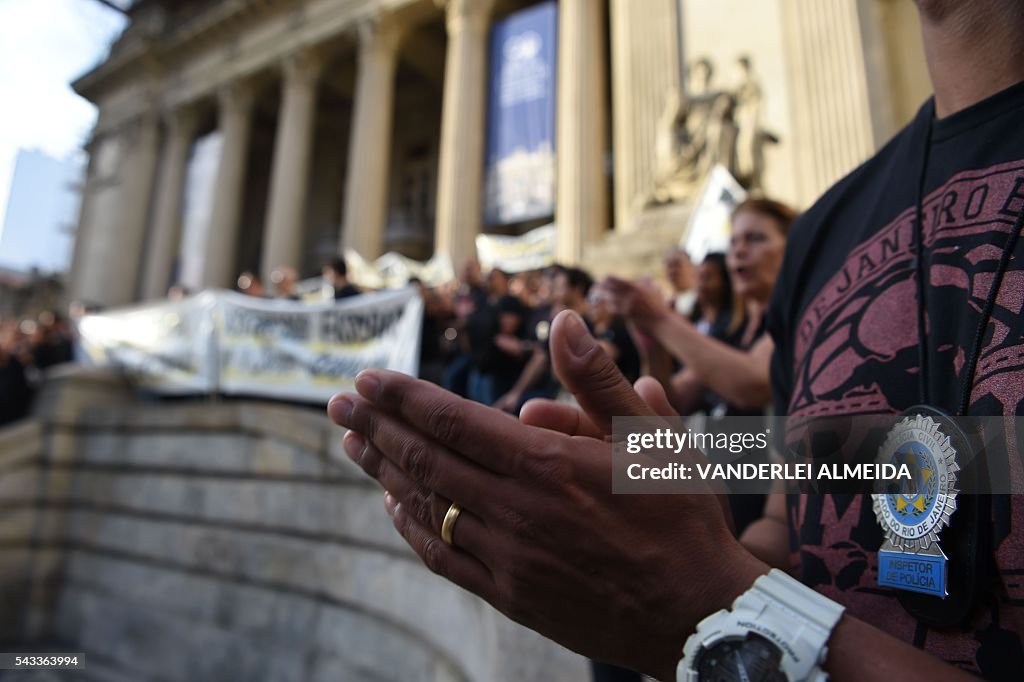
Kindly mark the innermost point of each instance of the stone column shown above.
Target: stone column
(165, 235)
(645, 69)
(235, 121)
(829, 89)
(80, 251)
(116, 213)
(460, 176)
(581, 211)
(369, 149)
(289, 180)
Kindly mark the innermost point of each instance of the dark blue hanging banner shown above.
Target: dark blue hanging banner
(520, 173)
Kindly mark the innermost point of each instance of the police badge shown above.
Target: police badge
(912, 517)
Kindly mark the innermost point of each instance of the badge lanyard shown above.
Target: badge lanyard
(971, 366)
(911, 559)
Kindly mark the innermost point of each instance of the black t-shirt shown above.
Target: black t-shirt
(507, 368)
(482, 325)
(53, 351)
(743, 340)
(844, 321)
(538, 330)
(345, 291)
(15, 393)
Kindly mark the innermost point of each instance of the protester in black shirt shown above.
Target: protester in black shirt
(539, 319)
(509, 358)
(500, 314)
(15, 392)
(850, 286)
(470, 296)
(613, 333)
(569, 289)
(52, 344)
(437, 317)
(335, 276)
(714, 313)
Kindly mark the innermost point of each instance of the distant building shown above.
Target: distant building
(26, 294)
(42, 209)
(246, 134)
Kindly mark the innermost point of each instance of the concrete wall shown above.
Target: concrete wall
(187, 541)
(20, 475)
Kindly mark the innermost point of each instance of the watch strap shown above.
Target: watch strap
(809, 616)
(788, 592)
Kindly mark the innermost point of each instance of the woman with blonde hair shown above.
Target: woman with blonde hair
(739, 373)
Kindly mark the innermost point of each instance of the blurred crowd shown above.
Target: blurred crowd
(485, 335)
(27, 347)
(285, 284)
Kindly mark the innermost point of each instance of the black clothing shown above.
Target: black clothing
(506, 368)
(482, 325)
(715, 404)
(15, 393)
(845, 323)
(54, 351)
(628, 361)
(345, 292)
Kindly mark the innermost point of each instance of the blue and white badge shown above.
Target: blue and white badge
(910, 558)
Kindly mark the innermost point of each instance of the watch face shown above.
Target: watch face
(753, 659)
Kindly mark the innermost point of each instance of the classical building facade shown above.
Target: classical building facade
(332, 124)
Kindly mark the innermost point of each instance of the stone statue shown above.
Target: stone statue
(703, 127)
(670, 142)
(682, 141)
(751, 137)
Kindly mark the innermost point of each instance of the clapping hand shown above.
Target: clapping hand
(620, 578)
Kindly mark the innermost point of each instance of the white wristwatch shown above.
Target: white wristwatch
(776, 632)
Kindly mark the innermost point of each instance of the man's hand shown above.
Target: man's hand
(574, 421)
(621, 578)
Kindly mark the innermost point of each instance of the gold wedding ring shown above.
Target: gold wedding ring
(448, 525)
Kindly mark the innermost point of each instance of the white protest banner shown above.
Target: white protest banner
(393, 270)
(361, 271)
(396, 270)
(436, 271)
(223, 342)
(166, 347)
(710, 223)
(309, 352)
(531, 251)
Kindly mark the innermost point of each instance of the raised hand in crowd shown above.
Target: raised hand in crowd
(640, 301)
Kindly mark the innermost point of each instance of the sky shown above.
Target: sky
(44, 45)
(42, 208)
